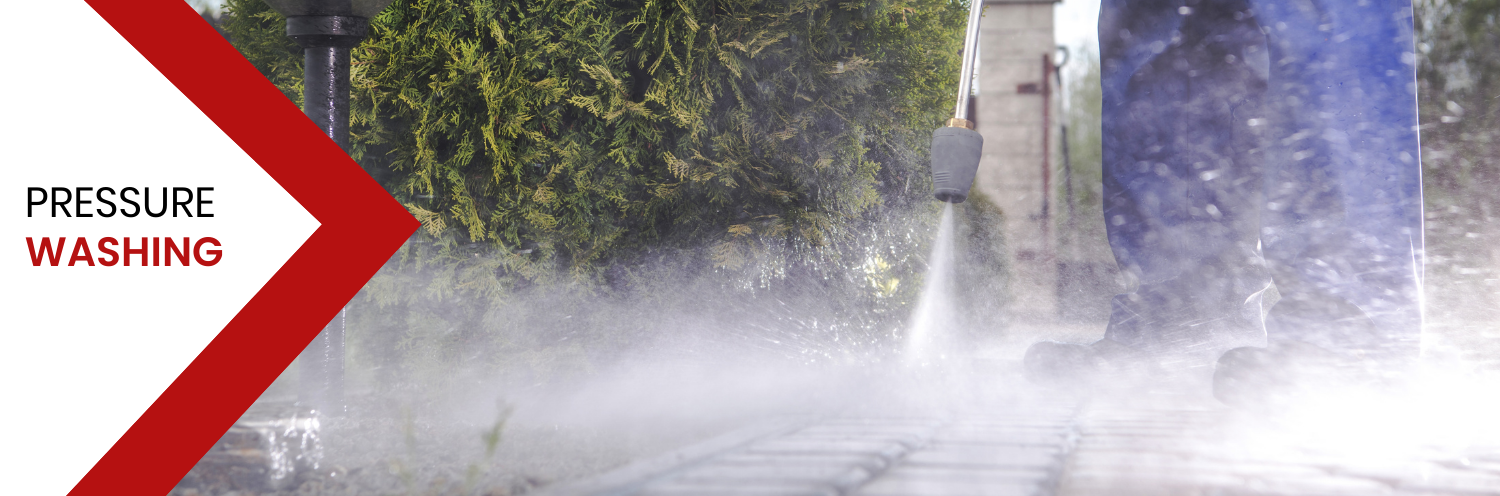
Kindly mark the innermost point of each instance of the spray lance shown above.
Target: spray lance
(956, 146)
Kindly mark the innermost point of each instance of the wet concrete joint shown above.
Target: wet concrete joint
(1048, 448)
(1070, 448)
(631, 478)
(1017, 452)
(896, 461)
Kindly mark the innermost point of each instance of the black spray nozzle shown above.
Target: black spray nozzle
(955, 161)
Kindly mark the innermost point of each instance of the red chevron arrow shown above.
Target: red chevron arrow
(361, 227)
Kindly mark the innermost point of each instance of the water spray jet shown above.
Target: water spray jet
(956, 147)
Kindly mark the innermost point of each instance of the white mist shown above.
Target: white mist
(933, 320)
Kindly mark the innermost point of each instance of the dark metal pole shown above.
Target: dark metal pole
(1067, 161)
(325, 42)
(1047, 156)
(325, 91)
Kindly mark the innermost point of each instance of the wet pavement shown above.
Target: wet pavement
(1062, 447)
(899, 431)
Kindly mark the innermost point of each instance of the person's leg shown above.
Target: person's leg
(1342, 225)
(1182, 176)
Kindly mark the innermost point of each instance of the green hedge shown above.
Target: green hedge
(617, 147)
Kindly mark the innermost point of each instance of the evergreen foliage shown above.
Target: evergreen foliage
(260, 35)
(559, 147)
(1458, 78)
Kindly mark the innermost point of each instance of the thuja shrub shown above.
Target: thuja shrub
(612, 145)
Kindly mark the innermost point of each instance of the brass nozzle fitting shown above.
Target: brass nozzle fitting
(963, 123)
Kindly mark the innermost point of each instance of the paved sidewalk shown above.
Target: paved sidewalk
(1053, 447)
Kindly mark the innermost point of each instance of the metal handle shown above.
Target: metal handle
(971, 45)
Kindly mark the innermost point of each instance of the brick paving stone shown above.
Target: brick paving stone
(835, 474)
(1048, 438)
(869, 462)
(967, 423)
(1330, 485)
(836, 456)
(1137, 461)
(1140, 489)
(889, 450)
(1099, 449)
(868, 427)
(977, 472)
(1049, 443)
(1387, 471)
(910, 440)
(923, 482)
(986, 456)
(1250, 469)
(1451, 480)
(1013, 425)
(1490, 455)
(1125, 477)
(882, 422)
(740, 488)
(1187, 481)
(1476, 464)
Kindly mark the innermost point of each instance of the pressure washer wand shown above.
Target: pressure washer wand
(956, 147)
(966, 76)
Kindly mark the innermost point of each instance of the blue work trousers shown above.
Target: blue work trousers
(1261, 174)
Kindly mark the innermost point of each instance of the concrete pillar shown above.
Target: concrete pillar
(1015, 36)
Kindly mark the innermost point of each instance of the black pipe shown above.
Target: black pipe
(1066, 159)
(325, 91)
(325, 41)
